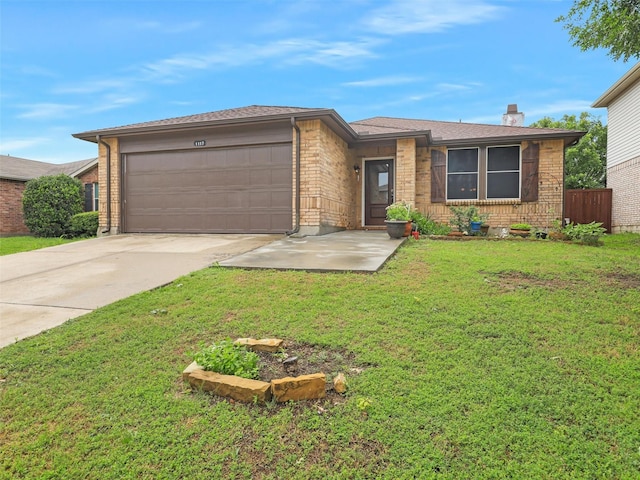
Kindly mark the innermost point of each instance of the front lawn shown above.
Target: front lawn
(9, 245)
(480, 360)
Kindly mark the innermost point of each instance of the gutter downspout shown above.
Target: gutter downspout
(108, 147)
(296, 228)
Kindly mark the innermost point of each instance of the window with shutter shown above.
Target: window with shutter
(530, 162)
(438, 176)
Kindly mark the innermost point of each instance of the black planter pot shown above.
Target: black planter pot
(395, 228)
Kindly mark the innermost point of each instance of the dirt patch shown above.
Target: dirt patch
(511, 280)
(297, 359)
(624, 280)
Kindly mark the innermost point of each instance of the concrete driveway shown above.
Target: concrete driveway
(44, 288)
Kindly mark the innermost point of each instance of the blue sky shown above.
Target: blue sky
(73, 66)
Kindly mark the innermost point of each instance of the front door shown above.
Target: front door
(378, 190)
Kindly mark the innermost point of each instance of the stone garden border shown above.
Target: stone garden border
(304, 387)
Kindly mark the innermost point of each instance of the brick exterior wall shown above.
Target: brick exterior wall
(405, 183)
(90, 176)
(328, 183)
(624, 180)
(11, 208)
(116, 181)
(503, 213)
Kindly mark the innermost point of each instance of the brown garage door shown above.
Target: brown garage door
(222, 190)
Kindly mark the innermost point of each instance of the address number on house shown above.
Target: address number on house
(199, 143)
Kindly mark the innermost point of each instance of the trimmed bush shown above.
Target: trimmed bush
(84, 224)
(48, 203)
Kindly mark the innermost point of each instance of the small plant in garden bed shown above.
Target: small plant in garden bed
(227, 358)
(585, 233)
(463, 216)
(425, 225)
(520, 226)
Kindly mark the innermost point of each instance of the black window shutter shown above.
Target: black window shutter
(438, 176)
(88, 197)
(530, 161)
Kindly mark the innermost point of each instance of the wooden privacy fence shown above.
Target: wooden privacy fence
(586, 206)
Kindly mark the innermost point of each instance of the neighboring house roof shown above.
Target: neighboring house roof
(618, 88)
(22, 169)
(378, 128)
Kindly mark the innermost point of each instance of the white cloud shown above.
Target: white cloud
(17, 144)
(429, 16)
(383, 81)
(112, 102)
(290, 51)
(45, 111)
(561, 107)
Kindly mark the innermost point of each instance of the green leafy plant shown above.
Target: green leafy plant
(48, 203)
(399, 211)
(84, 224)
(585, 233)
(520, 226)
(463, 216)
(364, 404)
(228, 358)
(425, 225)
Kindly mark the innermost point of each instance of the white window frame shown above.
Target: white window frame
(477, 172)
(486, 193)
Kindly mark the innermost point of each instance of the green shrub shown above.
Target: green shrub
(227, 358)
(84, 224)
(48, 203)
(462, 217)
(585, 233)
(427, 226)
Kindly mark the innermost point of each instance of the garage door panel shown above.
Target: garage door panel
(231, 190)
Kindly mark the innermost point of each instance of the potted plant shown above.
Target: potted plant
(520, 229)
(469, 220)
(398, 219)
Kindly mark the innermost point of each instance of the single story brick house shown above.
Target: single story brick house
(622, 100)
(263, 169)
(16, 172)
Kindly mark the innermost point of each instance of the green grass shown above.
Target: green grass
(9, 245)
(515, 359)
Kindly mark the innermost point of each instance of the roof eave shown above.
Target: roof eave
(84, 168)
(381, 137)
(569, 139)
(126, 131)
(618, 88)
(16, 178)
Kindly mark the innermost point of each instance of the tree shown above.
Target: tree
(586, 162)
(48, 203)
(611, 24)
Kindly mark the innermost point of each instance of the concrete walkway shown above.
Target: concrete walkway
(44, 288)
(357, 251)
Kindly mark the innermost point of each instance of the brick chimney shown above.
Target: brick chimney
(513, 118)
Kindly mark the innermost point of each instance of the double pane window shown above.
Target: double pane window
(483, 173)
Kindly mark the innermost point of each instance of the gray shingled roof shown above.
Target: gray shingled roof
(368, 129)
(451, 131)
(22, 169)
(217, 117)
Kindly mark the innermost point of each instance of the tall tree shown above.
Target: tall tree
(611, 24)
(586, 162)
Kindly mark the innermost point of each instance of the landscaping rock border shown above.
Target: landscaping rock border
(303, 387)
